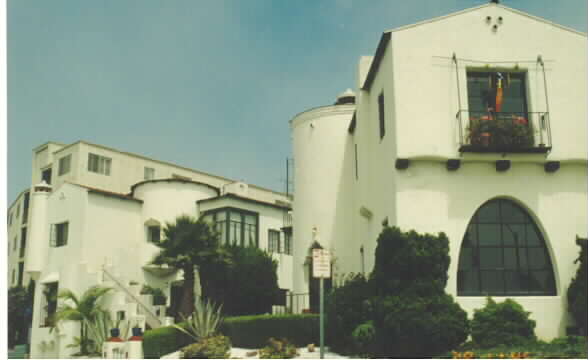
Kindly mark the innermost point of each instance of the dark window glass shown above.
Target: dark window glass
(235, 226)
(483, 89)
(153, 233)
(59, 234)
(274, 241)
(46, 176)
(503, 253)
(381, 115)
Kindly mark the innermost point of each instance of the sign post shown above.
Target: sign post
(321, 268)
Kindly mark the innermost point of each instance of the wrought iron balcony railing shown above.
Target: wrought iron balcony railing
(504, 132)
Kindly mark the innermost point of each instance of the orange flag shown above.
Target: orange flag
(499, 94)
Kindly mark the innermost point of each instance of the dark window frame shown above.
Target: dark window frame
(488, 262)
(487, 100)
(287, 243)
(46, 175)
(99, 164)
(381, 115)
(151, 231)
(225, 224)
(64, 165)
(59, 234)
(23, 241)
(273, 241)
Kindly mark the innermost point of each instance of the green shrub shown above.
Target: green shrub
(278, 349)
(505, 323)
(248, 285)
(163, 340)
(346, 308)
(215, 347)
(253, 331)
(412, 315)
(578, 292)
(19, 314)
(204, 321)
(159, 297)
(418, 326)
(364, 337)
(410, 263)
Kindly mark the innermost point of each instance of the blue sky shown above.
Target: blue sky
(209, 85)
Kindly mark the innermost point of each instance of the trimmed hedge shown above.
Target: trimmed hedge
(244, 331)
(164, 340)
(254, 331)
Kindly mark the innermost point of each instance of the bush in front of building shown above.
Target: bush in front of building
(19, 314)
(214, 347)
(246, 285)
(578, 293)
(418, 326)
(253, 331)
(505, 323)
(346, 308)
(163, 341)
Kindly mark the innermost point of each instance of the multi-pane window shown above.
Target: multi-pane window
(46, 176)
(381, 115)
(503, 253)
(153, 233)
(149, 173)
(235, 226)
(497, 91)
(99, 164)
(287, 243)
(273, 238)
(64, 165)
(59, 234)
(23, 241)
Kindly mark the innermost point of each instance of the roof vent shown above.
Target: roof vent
(347, 97)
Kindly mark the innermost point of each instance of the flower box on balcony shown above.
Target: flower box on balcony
(500, 131)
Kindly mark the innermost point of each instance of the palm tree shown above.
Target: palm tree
(84, 309)
(188, 243)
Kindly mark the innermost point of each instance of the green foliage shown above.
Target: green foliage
(187, 243)
(216, 347)
(20, 304)
(346, 307)
(505, 130)
(505, 323)
(578, 292)
(204, 321)
(159, 297)
(418, 326)
(278, 349)
(247, 285)
(253, 331)
(412, 315)
(410, 263)
(85, 309)
(364, 337)
(164, 340)
(243, 331)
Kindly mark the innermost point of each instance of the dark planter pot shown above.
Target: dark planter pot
(137, 331)
(159, 300)
(115, 332)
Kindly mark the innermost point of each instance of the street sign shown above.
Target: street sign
(321, 263)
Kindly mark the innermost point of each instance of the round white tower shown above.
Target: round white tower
(323, 160)
(38, 230)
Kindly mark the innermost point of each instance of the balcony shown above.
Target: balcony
(504, 132)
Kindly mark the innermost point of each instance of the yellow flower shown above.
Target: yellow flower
(501, 356)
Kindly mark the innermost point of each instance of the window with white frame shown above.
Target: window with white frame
(273, 241)
(99, 164)
(59, 234)
(64, 165)
(149, 173)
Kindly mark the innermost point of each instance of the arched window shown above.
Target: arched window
(503, 253)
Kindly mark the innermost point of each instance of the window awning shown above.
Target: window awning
(50, 278)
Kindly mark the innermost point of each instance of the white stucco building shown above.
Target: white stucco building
(89, 219)
(472, 124)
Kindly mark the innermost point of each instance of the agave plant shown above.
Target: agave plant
(204, 321)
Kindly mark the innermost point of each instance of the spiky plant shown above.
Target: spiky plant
(204, 321)
(84, 309)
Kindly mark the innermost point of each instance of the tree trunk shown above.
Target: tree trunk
(187, 304)
(83, 349)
